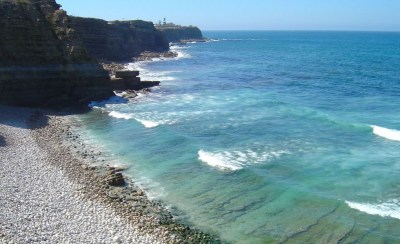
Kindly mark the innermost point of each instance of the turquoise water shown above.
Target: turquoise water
(265, 137)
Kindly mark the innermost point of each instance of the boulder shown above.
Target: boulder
(115, 178)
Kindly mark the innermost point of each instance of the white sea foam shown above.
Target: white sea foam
(236, 160)
(182, 54)
(146, 74)
(149, 123)
(120, 115)
(386, 133)
(219, 161)
(386, 209)
(154, 190)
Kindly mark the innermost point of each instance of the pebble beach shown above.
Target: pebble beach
(50, 193)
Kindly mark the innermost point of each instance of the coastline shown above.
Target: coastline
(40, 147)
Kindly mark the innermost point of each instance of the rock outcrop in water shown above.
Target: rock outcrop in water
(119, 40)
(178, 33)
(41, 59)
(129, 80)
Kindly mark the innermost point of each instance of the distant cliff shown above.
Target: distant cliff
(42, 60)
(177, 33)
(118, 40)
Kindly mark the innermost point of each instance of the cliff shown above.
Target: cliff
(177, 33)
(118, 40)
(42, 60)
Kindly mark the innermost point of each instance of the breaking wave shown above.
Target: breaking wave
(120, 115)
(145, 122)
(236, 160)
(386, 209)
(390, 134)
(149, 123)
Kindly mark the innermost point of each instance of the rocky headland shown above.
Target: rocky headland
(52, 59)
(177, 33)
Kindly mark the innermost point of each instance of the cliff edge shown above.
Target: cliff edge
(41, 59)
(118, 41)
(178, 33)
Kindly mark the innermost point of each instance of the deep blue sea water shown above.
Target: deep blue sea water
(265, 137)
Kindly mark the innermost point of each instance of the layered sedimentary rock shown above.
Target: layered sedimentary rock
(177, 33)
(42, 60)
(118, 40)
(129, 80)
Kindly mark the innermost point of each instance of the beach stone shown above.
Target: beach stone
(117, 239)
(116, 179)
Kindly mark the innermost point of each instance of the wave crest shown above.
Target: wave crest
(236, 160)
(390, 134)
(219, 161)
(120, 115)
(387, 209)
(149, 123)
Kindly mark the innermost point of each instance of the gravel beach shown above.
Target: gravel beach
(51, 194)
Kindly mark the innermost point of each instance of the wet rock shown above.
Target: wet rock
(129, 94)
(116, 179)
(146, 56)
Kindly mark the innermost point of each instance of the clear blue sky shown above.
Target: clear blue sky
(383, 15)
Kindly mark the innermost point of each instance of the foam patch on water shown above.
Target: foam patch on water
(145, 122)
(120, 115)
(180, 50)
(117, 99)
(182, 54)
(236, 160)
(146, 74)
(386, 209)
(149, 123)
(219, 161)
(390, 134)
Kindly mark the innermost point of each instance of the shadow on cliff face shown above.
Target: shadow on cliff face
(2, 141)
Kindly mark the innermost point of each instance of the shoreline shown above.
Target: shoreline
(50, 134)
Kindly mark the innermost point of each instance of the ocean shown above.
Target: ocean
(267, 136)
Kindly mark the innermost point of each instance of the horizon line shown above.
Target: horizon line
(293, 30)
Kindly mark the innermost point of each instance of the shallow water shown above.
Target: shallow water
(268, 136)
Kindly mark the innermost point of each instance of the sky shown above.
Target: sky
(362, 15)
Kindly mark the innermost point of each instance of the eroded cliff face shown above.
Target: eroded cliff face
(118, 40)
(177, 33)
(41, 59)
